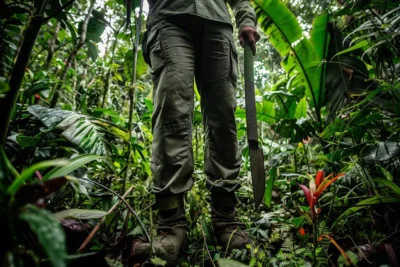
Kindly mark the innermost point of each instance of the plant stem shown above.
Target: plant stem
(132, 91)
(107, 78)
(97, 227)
(315, 243)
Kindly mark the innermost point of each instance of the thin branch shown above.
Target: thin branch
(123, 200)
(70, 2)
(97, 227)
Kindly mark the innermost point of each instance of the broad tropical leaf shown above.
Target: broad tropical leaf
(302, 57)
(83, 131)
(382, 152)
(49, 233)
(74, 164)
(95, 27)
(346, 77)
(269, 187)
(141, 65)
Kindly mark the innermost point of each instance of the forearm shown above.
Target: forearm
(244, 13)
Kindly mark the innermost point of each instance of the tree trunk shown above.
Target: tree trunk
(17, 75)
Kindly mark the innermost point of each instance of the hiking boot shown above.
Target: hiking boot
(227, 229)
(171, 240)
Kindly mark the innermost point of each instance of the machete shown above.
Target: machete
(256, 153)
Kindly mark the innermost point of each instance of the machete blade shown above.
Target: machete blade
(256, 153)
(257, 174)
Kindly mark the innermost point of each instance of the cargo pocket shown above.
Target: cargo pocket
(234, 63)
(154, 50)
(145, 49)
(171, 143)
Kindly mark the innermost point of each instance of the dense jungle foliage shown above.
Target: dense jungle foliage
(75, 128)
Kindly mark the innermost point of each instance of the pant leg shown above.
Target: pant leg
(216, 78)
(172, 57)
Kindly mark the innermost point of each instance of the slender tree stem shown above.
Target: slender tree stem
(97, 227)
(315, 243)
(132, 91)
(17, 75)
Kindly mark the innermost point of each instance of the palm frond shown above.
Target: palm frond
(86, 132)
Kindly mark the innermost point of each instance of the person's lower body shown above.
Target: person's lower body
(183, 49)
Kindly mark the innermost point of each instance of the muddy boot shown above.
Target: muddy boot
(171, 240)
(227, 229)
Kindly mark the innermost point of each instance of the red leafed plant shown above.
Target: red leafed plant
(312, 194)
(316, 188)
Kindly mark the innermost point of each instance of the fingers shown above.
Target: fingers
(241, 40)
(252, 42)
(249, 35)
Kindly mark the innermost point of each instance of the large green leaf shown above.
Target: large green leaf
(266, 111)
(346, 75)
(301, 109)
(320, 39)
(395, 188)
(49, 233)
(84, 131)
(74, 164)
(92, 50)
(270, 184)
(284, 24)
(302, 58)
(95, 28)
(141, 65)
(50, 117)
(382, 152)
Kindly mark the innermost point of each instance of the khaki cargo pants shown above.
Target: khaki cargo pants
(182, 49)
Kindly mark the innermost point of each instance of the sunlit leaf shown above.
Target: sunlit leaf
(352, 48)
(73, 165)
(342, 261)
(269, 187)
(395, 188)
(229, 263)
(84, 131)
(158, 261)
(301, 109)
(80, 214)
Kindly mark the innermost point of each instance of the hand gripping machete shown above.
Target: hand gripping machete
(256, 153)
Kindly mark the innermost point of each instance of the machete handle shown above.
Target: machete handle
(251, 117)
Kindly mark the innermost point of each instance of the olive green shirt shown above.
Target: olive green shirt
(209, 9)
